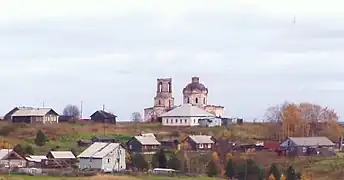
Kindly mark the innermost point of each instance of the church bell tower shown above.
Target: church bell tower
(164, 97)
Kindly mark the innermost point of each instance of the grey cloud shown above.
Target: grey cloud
(81, 60)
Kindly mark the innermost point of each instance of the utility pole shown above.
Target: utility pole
(81, 110)
(104, 123)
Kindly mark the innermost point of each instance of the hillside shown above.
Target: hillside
(65, 136)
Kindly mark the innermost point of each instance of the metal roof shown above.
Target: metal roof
(62, 154)
(147, 140)
(202, 139)
(4, 152)
(98, 150)
(312, 141)
(37, 159)
(187, 110)
(32, 112)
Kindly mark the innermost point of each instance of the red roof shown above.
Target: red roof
(271, 145)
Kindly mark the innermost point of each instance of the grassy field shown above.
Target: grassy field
(105, 177)
(65, 137)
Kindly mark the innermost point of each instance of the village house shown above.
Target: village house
(170, 143)
(185, 115)
(108, 157)
(143, 144)
(308, 146)
(199, 143)
(59, 159)
(102, 116)
(35, 115)
(210, 122)
(35, 161)
(9, 158)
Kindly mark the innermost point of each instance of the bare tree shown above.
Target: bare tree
(136, 117)
(275, 113)
(71, 110)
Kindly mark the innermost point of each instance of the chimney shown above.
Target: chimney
(195, 79)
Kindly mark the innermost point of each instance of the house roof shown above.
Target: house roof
(33, 112)
(202, 139)
(62, 154)
(147, 134)
(311, 141)
(187, 110)
(4, 152)
(37, 159)
(147, 140)
(104, 114)
(98, 150)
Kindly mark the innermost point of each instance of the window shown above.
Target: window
(203, 100)
(185, 120)
(188, 100)
(209, 146)
(166, 121)
(169, 87)
(176, 121)
(169, 103)
(159, 102)
(196, 100)
(160, 87)
(200, 145)
(304, 149)
(109, 160)
(194, 121)
(181, 121)
(130, 146)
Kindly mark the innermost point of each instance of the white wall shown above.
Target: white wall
(108, 163)
(13, 163)
(180, 121)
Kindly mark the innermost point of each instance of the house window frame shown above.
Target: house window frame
(209, 146)
(201, 146)
(304, 149)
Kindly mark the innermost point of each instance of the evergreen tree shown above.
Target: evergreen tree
(155, 160)
(162, 159)
(212, 169)
(19, 149)
(29, 150)
(139, 162)
(230, 171)
(41, 138)
(291, 174)
(275, 172)
(174, 162)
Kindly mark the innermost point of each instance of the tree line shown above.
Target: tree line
(303, 119)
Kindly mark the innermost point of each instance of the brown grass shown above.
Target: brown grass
(109, 177)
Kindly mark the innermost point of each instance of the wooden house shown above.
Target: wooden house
(101, 116)
(107, 157)
(10, 158)
(143, 144)
(35, 115)
(308, 146)
(199, 143)
(59, 159)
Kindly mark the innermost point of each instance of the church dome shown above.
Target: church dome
(195, 85)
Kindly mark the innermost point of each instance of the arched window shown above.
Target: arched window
(196, 100)
(203, 100)
(169, 87)
(160, 87)
(188, 100)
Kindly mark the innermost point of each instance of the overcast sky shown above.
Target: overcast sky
(249, 53)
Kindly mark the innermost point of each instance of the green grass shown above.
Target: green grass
(26, 177)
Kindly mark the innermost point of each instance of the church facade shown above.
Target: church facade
(194, 93)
